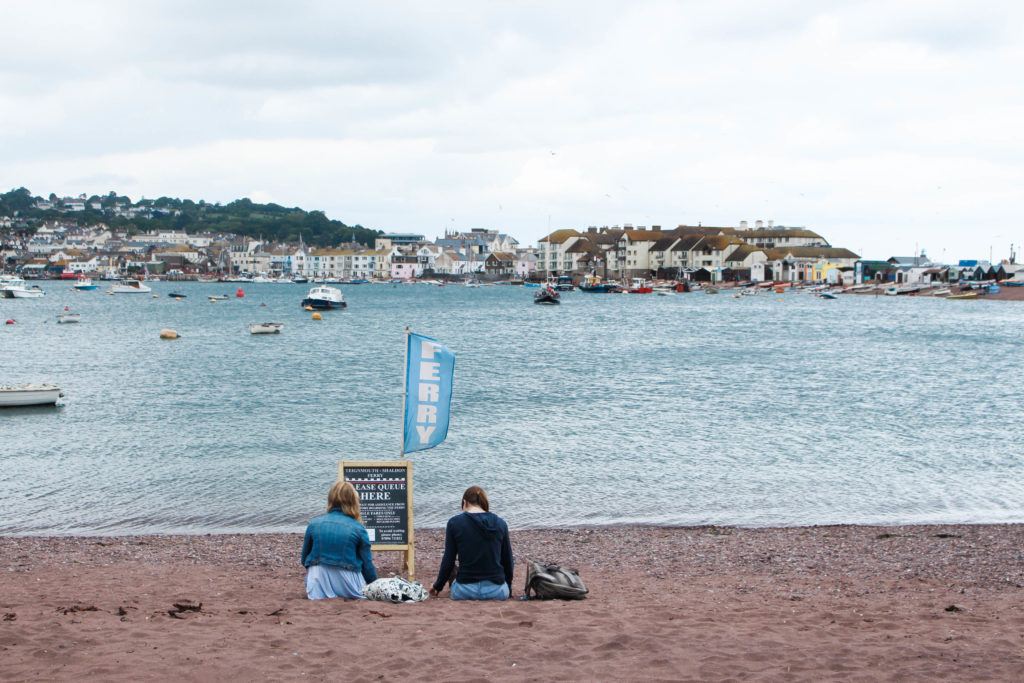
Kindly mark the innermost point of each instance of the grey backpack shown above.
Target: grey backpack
(551, 582)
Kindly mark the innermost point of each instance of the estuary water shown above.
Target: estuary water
(609, 409)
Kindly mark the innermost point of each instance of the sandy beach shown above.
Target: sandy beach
(850, 603)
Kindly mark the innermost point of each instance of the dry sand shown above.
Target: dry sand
(839, 603)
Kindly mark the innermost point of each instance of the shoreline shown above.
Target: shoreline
(46, 535)
(799, 603)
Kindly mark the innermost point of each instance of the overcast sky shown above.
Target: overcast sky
(883, 125)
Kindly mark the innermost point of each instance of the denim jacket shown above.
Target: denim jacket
(336, 540)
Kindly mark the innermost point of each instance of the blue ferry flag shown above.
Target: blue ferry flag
(429, 371)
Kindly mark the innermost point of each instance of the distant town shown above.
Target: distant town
(48, 238)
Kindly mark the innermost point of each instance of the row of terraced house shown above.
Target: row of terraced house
(759, 253)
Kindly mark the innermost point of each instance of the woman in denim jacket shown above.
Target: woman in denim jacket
(336, 549)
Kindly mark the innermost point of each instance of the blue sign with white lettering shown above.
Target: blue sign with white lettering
(430, 369)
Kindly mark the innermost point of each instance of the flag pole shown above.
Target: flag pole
(405, 389)
(409, 563)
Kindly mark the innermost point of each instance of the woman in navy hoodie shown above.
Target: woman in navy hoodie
(479, 540)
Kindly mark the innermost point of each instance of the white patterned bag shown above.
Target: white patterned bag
(395, 589)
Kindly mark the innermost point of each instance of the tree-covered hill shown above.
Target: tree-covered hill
(242, 216)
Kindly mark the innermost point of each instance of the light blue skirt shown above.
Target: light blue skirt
(324, 581)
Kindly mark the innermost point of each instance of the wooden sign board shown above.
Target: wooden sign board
(385, 503)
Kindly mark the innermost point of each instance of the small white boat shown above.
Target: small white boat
(69, 317)
(129, 287)
(29, 395)
(218, 297)
(945, 291)
(265, 328)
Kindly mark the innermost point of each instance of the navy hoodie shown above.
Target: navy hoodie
(480, 542)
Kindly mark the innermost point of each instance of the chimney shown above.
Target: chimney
(771, 224)
(743, 225)
(655, 227)
(758, 224)
(592, 230)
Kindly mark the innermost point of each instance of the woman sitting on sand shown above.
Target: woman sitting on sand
(336, 549)
(479, 540)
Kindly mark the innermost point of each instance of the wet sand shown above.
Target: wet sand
(819, 603)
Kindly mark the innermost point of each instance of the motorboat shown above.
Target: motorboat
(640, 286)
(66, 316)
(358, 281)
(324, 298)
(594, 285)
(17, 288)
(84, 284)
(827, 295)
(265, 328)
(300, 280)
(472, 283)
(547, 295)
(262, 280)
(177, 295)
(564, 284)
(29, 395)
(130, 287)
(218, 297)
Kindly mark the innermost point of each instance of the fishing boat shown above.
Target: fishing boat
(130, 287)
(547, 295)
(20, 395)
(265, 328)
(84, 284)
(324, 298)
(640, 286)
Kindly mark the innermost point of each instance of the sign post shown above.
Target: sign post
(385, 502)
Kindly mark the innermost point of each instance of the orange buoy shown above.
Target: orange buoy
(317, 316)
(239, 292)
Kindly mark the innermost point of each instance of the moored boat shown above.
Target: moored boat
(130, 287)
(324, 298)
(963, 295)
(16, 288)
(827, 295)
(29, 395)
(265, 328)
(85, 284)
(218, 297)
(66, 316)
(640, 286)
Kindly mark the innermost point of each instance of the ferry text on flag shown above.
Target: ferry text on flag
(430, 367)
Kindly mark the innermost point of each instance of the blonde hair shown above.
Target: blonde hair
(343, 496)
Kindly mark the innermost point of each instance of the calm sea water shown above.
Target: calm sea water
(693, 409)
